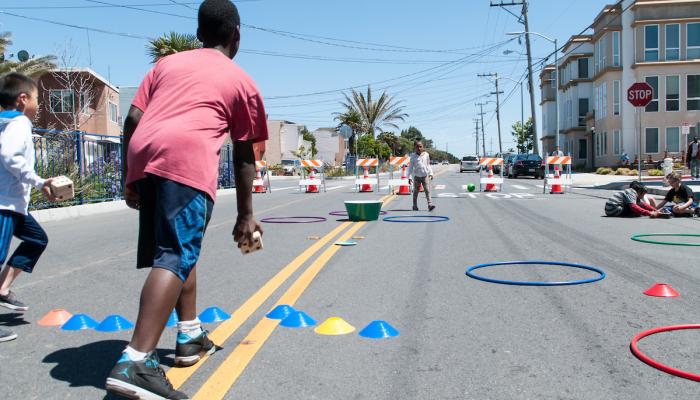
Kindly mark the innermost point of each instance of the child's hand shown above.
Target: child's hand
(654, 214)
(46, 190)
(244, 228)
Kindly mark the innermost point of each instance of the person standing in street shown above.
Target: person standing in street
(420, 173)
(692, 158)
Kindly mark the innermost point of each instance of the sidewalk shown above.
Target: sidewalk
(654, 184)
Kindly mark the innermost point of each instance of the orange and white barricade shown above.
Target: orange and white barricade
(311, 180)
(398, 163)
(488, 183)
(261, 184)
(365, 183)
(557, 174)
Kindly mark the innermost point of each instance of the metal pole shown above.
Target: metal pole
(556, 68)
(522, 112)
(498, 117)
(531, 85)
(639, 163)
(483, 134)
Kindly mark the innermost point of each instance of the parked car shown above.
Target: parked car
(469, 163)
(504, 156)
(507, 162)
(289, 167)
(526, 165)
(445, 162)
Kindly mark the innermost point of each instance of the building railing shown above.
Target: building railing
(94, 163)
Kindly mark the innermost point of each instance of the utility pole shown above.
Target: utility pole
(483, 135)
(531, 86)
(476, 135)
(498, 106)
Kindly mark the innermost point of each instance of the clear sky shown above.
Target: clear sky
(427, 54)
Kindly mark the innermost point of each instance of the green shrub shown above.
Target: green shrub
(633, 172)
(622, 171)
(655, 172)
(603, 171)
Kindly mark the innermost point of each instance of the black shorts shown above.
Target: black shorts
(172, 220)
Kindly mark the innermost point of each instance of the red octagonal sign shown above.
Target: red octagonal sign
(640, 94)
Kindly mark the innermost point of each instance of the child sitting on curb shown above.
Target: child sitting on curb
(629, 203)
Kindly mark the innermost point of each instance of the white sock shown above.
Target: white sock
(135, 355)
(190, 328)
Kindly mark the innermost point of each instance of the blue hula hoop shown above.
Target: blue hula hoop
(516, 283)
(416, 218)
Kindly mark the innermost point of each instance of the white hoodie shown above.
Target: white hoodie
(17, 176)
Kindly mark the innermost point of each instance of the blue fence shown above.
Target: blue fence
(94, 163)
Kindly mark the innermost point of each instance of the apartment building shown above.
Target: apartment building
(284, 138)
(331, 146)
(548, 96)
(653, 41)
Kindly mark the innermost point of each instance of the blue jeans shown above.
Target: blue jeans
(26, 229)
(695, 168)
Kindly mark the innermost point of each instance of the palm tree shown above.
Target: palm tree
(375, 114)
(353, 119)
(171, 43)
(34, 67)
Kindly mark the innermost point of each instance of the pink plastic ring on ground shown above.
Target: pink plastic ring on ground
(663, 367)
(345, 213)
(292, 220)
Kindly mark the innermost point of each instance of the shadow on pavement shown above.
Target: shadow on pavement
(89, 365)
(12, 319)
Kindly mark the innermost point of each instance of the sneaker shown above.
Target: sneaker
(415, 208)
(10, 301)
(431, 207)
(188, 350)
(696, 212)
(143, 380)
(6, 336)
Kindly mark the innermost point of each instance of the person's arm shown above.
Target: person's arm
(430, 167)
(130, 124)
(409, 173)
(244, 170)
(637, 209)
(661, 204)
(12, 153)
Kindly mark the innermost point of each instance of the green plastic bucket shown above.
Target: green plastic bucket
(363, 210)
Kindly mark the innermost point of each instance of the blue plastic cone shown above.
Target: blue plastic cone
(173, 320)
(379, 330)
(114, 323)
(79, 322)
(298, 319)
(213, 314)
(282, 311)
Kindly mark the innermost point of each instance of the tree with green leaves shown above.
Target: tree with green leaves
(352, 119)
(375, 114)
(34, 67)
(412, 133)
(171, 43)
(309, 137)
(525, 138)
(390, 140)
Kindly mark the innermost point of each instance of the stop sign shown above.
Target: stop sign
(640, 94)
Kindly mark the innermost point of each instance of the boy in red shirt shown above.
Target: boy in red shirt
(183, 111)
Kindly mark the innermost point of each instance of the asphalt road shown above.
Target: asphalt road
(459, 338)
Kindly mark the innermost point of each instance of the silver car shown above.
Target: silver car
(469, 163)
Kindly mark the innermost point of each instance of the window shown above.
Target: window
(604, 95)
(616, 48)
(553, 79)
(113, 113)
(653, 81)
(84, 103)
(651, 43)
(693, 36)
(693, 93)
(673, 93)
(673, 42)
(596, 56)
(616, 97)
(603, 52)
(605, 143)
(582, 111)
(582, 149)
(61, 101)
(617, 142)
(673, 139)
(583, 68)
(601, 101)
(651, 140)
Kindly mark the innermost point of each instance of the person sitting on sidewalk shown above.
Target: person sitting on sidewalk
(628, 203)
(681, 197)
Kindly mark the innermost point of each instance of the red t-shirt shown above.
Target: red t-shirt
(190, 102)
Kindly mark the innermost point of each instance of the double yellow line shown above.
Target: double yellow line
(219, 383)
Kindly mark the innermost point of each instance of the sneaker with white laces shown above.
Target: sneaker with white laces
(6, 336)
(189, 350)
(10, 301)
(142, 380)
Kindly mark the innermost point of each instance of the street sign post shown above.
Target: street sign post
(640, 94)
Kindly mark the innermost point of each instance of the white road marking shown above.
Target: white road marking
(520, 187)
(494, 196)
(284, 188)
(440, 187)
(335, 187)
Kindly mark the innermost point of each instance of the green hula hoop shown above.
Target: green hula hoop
(639, 238)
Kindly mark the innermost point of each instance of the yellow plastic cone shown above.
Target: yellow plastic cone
(334, 326)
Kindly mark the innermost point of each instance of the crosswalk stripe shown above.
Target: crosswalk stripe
(520, 187)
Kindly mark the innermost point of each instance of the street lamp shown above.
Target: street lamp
(522, 104)
(556, 68)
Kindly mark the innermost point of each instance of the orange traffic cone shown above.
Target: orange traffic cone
(366, 187)
(490, 187)
(56, 317)
(556, 187)
(312, 188)
(258, 179)
(404, 189)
